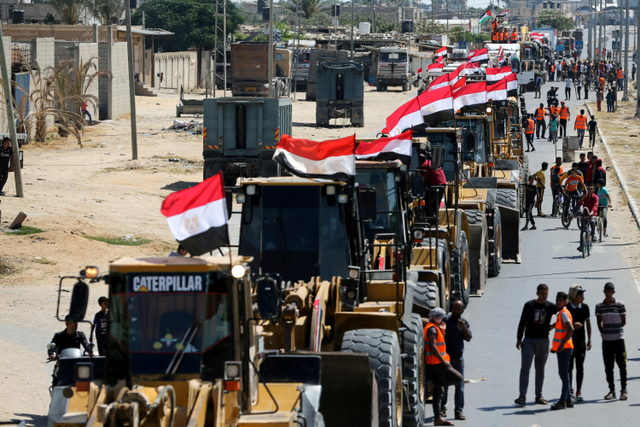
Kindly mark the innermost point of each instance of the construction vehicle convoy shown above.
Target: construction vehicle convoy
(184, 349)
(340, 92)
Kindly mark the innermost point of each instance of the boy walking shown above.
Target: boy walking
(563, 347)
(540, 182)
(531, 192)
(612, 317)
(100, 323)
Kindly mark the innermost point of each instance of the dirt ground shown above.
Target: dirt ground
(72, 193)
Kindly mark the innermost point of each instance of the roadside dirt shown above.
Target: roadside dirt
(73, 193)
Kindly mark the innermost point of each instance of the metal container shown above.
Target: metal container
(318, 56)
(240, 136)
(340, 92)
(364, 27)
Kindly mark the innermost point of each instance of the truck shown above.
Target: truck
(240, 136)
(566, 45)
(551, 34)
(392, 68)
(183, 350)
(318, 56)
(340, 92)
(250, 70)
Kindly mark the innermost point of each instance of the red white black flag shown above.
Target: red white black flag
(471, 95)
(405, 117)
(481, 55)
(332, 159)
(197, 216)
(441, 52)
(512, 84)
(436, 105)
(388, 148)
(435, 67)
(497, 91)
(439, 82)
(496, 74)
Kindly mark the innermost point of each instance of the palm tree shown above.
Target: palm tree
(307, 8)
(108, 11)
(69, 10)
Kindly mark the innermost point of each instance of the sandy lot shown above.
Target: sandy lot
(72, 193)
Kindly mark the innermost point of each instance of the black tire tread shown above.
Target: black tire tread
(426, 294)
(413, 341)
(457, 270)
(507, 197)
(495, 260)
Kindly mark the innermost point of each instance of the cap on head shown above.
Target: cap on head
(609, 286)
(437, 313)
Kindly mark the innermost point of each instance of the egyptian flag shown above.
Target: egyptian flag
(463, 70)
(485, 16)
(332, 159)
(197, 216)
(494, 75)
(388, 148)
(435, 67)
(405, 117)
(457, 85)
(498, 91)
(473, 52)
(503, 14)
(469, 96)
(480, 55)
(436, 105)
(439, 59)
(440, 82)
(441, 52)
(512, 84)
(500, 55)
(419, 72)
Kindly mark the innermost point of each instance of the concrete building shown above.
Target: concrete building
(34, 13)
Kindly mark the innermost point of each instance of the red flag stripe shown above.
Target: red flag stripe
(314, 150)
(209, 190)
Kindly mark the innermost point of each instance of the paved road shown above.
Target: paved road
(549, 256)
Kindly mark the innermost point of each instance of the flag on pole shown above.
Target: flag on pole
(457, 85)
(387, 148)
(512, 84)
(419, 72)
(439, 82)
(331, 159)
(463, 70)
(500, 55)
(498, 91)
(503, 14)
(471, 95)
(436, 105)
(405, 117)
(496, 74)
(435, 67)
(197, 216)
(481, 55)
(470, 55)
(485, 16)
(439, 59)
(441, 52)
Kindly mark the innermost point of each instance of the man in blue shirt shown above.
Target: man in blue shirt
(458, 331)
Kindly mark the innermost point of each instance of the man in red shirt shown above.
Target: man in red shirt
(591, 169)
(590, 202)
(85, 111)
(436, 180)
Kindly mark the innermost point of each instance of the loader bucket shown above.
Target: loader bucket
(349, 392)
(510, 233)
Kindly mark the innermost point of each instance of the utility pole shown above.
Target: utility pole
(600, 33)
(8, 104)
(352, 23)
(375, 19)
(132, 86)
(271, 49)
(589, 34)
(625, 94)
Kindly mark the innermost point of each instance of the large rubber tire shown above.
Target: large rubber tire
(495, 258)
(379, 87)
(385, 361)
(413, 371)
(445, 294)
(507, 197)
(461, 270)
(473, 215)
(426, 294)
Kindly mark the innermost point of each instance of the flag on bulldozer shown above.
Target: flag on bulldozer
(387, 148)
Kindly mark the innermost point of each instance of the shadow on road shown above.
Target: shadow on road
(179, 185)
(560, 273)
(32, 420)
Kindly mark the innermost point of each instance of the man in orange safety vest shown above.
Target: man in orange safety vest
(563, 347)
(581, 126)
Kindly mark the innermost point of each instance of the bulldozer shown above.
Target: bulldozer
(184, 349)
(345, 286)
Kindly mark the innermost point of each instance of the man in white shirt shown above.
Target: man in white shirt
(567, 89)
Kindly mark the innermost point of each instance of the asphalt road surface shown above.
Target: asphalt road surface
(549, 256)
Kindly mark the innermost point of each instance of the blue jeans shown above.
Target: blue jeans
(458, 365)
(581, 136)
(564, 357)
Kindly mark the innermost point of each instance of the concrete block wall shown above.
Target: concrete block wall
(178, 69)
(119, 98)
(43, 57)
(104, 82)
(88, 52)
(4, 123)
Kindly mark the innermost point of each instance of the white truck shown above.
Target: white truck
(393, 68)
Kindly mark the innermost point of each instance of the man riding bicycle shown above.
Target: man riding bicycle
(590, 204)
(572, 187)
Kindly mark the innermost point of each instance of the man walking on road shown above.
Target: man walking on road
(565, 115)
(534, 325)
(540, 185)
(580, 125)
(563, 347)
(593, 128)
(458, 331)
(531, 192)
(528, 133)
(540, 123)
(612, 317)
(439, 368)
(581, 321)
(567, 88)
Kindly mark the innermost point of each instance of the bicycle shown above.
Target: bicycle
(558, 202)
(586, 240)
(568, 213)
(600, 223)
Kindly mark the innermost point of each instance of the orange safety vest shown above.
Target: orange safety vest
(494, 25)
(514, 36)
(561, 333)
(553, 68)
(501, 36)
(620, 74)
(530, 127)
(494, 37)
(540, 114)
(432, 359)
(564, 113)
(581, 122)
(555, 111)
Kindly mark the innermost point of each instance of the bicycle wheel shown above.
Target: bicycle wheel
(583, 243)
(589, 239)
(600, 228)
(566, 215)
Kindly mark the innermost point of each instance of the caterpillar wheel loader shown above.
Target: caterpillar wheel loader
(183, 350)
(344, 287)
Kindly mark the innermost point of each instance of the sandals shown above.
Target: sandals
(444, 423)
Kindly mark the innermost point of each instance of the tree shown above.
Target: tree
(307, 8)
(50, 19)
(69, 10)
(191, 21)
(108, 11)
(555, 20)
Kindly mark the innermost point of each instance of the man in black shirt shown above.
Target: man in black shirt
(6, 157)
(532, 194)
(534, 325)
(100, 324)
(69, 338)
(458, 331)
(581, 320)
